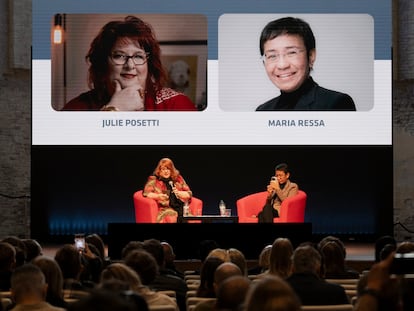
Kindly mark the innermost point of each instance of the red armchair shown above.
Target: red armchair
(292, 209)
(146, 210)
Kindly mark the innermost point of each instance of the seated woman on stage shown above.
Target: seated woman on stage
(169, 189)
(279, 188)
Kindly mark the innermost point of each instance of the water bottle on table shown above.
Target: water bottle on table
(222, 208)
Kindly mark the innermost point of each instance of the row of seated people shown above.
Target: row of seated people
(291, 278)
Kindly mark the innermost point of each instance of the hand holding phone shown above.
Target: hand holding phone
(80, 241)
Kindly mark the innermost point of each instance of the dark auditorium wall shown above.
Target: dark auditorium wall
(15, 119)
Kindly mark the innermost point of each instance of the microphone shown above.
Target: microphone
(171, 183)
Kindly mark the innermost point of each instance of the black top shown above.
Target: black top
(313, 290)
(310, 96)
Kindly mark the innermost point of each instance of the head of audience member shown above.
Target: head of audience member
(405, 247)
(95, 240)
(232, 292)
(69, 261)
(280, 261)
(129, 247)
(219, 253)
(121, 272)
(238, 258)
(144, 264)
(334, 261)
(380, 243)
(224, 271)
(20, 248)
(154, 247)
(7, 257)
(28, 285)
(33, 249)
(208, 268)
(7, 264)
(332, 239)
(169, 255)
(264, 258)
(109, 300)
(387, 250)
(53, 276)
(271, 293)
(306, 259)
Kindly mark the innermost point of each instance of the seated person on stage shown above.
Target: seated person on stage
(169, 189)
(279, 188)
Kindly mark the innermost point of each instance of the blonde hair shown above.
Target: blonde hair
(121, 272)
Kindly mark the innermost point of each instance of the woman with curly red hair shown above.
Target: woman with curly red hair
(125, 72)
(169, 189)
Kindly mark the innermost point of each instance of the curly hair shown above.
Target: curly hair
(130, 29)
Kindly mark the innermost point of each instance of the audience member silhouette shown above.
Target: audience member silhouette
(336, 266)
(380, 243)
(165, 280)
(7, 264)
(28, 287)
(238, 258)
(221, 253)
(307, 282)
(121, 272)
(231, 293)
(20, 248)
(70, 262)
(33, 249)
(129, 247)
(222, 272)
(271, 293)
(95, 240)
(280, 262)
(54, 280)
(263, 261)
(144, 264)
(169, 257)
(206, 286)
(334, 263)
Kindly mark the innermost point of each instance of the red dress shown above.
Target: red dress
(165, 100)
(166, 214)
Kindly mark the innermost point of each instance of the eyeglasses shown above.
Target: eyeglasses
(271, 57)
(122, 59)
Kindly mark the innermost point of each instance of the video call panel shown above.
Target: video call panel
(226, 78)
(227, 82)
